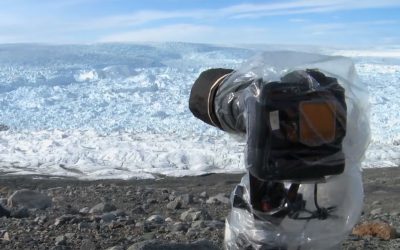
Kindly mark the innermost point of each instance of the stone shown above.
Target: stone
(4, 212)
(215, 224)
(60, 240)
(179, 227)
(376, 211)
(375, 203)
(84, 225)
(158, 219)
(88, 245)
(187, 199)
(159, 245)
(29, 199)
(108, 217)
(119, 213)
(169, 219)
(175, 204)
(69, 235)
(84, 210)
(198, 224)
(193, 215)
(3, 202)
(138, 210)
(151, 201)
(375, 229)
(103, 207)
(20, 213)
(63, 219)
(4, 235)
(203, 195)
(219, 198)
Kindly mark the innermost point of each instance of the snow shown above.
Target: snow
(121, 110)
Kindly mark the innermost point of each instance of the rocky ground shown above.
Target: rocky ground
(169, 213)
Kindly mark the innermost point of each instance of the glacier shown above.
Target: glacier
(121, 110)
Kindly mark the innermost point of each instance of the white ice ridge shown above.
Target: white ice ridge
(90, 155)
(121, 110)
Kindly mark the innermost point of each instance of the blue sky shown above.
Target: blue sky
(351, 23)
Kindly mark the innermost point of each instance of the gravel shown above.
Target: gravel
(168, 213)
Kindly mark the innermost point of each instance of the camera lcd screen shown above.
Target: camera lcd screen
(317, 122)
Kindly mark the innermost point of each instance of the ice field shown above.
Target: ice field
(121, 110)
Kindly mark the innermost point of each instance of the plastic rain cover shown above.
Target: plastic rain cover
(342, 190)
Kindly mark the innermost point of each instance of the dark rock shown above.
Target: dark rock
(159, 245)
(215, 224)
(19, 213)
(138, 210)
(151, 201)
(29, 199)
(179, 227)
(108, 217)
(119, 213)
(149, 226)
(3, 202)
(4, 212)
(84, 225)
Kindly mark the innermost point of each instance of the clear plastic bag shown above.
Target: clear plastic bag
(340, 191)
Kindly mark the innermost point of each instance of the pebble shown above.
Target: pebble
(60, 240)
(102, 207)
(4, 235)
(193, 215)
(158, 219)
(84, 225)
(375, 203)
(179, 227)
(84, 210)
(376, 211)
(62, 220)
(88, 245)
(29, 199)
(3, 201)
(169, 219)
(175, 204)
(203, 195)
(187, 199)
(108, 217)
(219, 198)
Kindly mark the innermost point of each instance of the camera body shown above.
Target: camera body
(295, 128)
